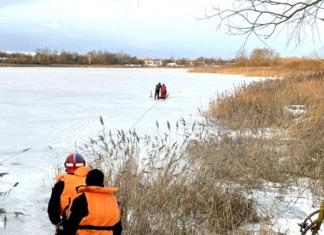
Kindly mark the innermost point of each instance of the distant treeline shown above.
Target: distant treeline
(264, 57)
(52, 57)
(48, 57)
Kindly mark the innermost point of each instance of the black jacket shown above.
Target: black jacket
(54, 204)
(157, 87)
(79, 209)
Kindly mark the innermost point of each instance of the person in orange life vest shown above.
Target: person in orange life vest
(95, 211)
(65, 189)
(163, 92)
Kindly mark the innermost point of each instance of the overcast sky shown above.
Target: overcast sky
(156, 28)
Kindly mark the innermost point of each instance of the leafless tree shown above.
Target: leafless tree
(263, 18)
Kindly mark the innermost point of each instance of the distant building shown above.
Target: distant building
(153, 63)
(133, 65)
(171, 64)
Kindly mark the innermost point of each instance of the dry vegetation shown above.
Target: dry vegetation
(162, 191)
(292, 107)
(287, 68)
(266, 63)
(196, 185)
(247, 71)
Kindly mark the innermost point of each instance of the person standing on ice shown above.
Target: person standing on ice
(163, 92)
(65, 190)
(157, 91)
(95, 211)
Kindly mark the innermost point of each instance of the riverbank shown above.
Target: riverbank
(255, 71)
(58, 65)
(135, 66)
(266, 67)
(274, 136)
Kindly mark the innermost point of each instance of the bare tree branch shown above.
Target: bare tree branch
(262, 18)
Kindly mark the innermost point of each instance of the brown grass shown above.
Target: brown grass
(265, 104)
(282, 68)
(161, 188)
(269, 105)
(247, 71)
(239, 160)
(198, 186)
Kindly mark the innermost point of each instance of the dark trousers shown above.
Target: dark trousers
(157, 94)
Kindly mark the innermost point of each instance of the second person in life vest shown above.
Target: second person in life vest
(95, 211)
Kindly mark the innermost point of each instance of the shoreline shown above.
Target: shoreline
(88, 66)
(251, 71)
(256, 71)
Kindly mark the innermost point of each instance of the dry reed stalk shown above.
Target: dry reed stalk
(161, 188)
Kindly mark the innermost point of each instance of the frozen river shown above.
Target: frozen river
(60, 107)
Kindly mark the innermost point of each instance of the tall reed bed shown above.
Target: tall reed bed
(163, 190)
(292, 107)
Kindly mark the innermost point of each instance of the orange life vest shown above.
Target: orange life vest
(71, 182)
(103, 211)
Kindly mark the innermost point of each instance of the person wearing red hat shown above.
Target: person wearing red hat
(65, 190)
